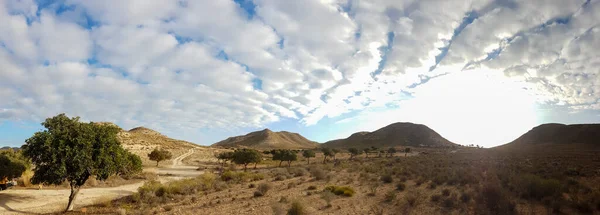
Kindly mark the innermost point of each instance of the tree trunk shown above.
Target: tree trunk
(280, 163)
(255, 165)
(156, 163)
(307, 160)
(405, 153)
(74, 192)
(245, 167)
(324, 159)
(289, 163)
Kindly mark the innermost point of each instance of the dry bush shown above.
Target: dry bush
(400, 186)
(264, 188)
(318, 174)
(328, 197)
(297, 208)
(413, 198)
(493, 200)
(387, 179)
(390, 196)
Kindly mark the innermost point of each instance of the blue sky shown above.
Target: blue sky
(479, 72)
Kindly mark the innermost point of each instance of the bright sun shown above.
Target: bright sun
(478, 107)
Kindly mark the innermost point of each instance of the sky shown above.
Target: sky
(477, 72)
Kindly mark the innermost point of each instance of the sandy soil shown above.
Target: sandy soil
(31, 201)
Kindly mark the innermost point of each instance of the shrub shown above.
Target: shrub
(448, 203)
(312, 187)
(419, 181)
(465, 197)
(328, 197)
(446, 192)
(297, 172)
(390, 196)
(492, 199)
(413, 198)
(535, 187)
(432, 185)
(343, 191)
(264, 188)
(436, 198)
(258, 194)
(387, 179)
(318, 174)
(400, 186)
(296, 209)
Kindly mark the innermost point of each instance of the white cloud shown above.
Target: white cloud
(210, 64)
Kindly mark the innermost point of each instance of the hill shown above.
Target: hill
(397, 134)
(561, 134)
(267, 139)
(141, 136)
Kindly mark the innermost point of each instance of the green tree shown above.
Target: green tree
(12, 164)
(391, 151)
(246, 156)
(326, 153)
(72, 151)
(159, 155)
(406, 151)
(353, 152)
(131, 164)
(308, 154)
(285, 155)
(224, 157)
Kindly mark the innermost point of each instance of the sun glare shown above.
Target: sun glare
(481, 107)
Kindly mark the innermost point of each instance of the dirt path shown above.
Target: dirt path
(31, 201)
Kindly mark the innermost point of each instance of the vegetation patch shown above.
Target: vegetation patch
(340, 191)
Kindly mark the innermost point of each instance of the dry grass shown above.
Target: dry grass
(471, 181)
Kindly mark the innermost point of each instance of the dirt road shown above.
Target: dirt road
(32, 201)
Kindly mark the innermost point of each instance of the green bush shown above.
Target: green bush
(343, 191)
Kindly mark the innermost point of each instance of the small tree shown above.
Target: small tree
(284, 155)
(353, 152)
(246, 156)
(12, 164)
(367, 151)
(334, 152)
(131, 164)
(71, 151)
(159, 155)
(406, 151)
(308, 154)
(391, 151)
(381, 152)
(326, 153)
(223, 157)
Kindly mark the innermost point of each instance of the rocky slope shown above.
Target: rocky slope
(267, 139)
(397, 134)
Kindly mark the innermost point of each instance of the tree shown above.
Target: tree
(326, 153)
(72, 151)
(334, 152)
(12, 164)
(406, 151)
(308, 154)
(130, 165)
(285, 155)
(223, 157)
(246, 156)
(391, 151)
(159, 155)
(381, 152)
(353, 152)
(367, 151)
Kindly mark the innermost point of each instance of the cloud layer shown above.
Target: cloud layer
(244, 64)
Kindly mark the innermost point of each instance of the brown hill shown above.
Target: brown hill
(561, 134)
(397, 134)
(267, 139)
(141, 136)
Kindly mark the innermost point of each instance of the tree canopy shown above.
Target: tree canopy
(72, 151)
(284, 155)
(159, 155)
(12, 164)
(246, 156)
(353, 152)
(308, 154)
